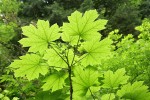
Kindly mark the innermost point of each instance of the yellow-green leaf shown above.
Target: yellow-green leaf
(39, 37)
(29, 65)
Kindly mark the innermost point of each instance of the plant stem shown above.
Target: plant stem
(74, 51)
(92, 94)
(71, 87)
(70, 71)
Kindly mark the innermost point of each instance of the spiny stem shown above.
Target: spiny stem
(74, 50)
(71, 87)
(70, 71)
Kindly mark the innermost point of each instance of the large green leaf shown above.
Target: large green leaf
(39, 37)
(85, 27)
(29, 65)
(55, 81)
(136, 91)
(85, 82)
(95, 51)
(113, 80)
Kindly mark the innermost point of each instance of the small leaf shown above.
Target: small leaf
(29, 65)
(39, 38)
(55, 81)
(110, 96)
(113, 80)
(85, 81)
(136, 91)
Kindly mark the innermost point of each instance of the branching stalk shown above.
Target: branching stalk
(59, 55)
(70, 71)
(74, 50)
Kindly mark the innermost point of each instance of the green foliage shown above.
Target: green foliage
(86, 5)
(32, 69)
(110, 96)
(46, 95)
(85, 81)
(144, 9)
(55, 81)
(4, 95)
(6, 32)
(8, 50)
(132, 54)
(85, 27)
(39, 37)
(9, 6)
(124, 15)
(73, 65)
(55, 11)
(144, 29)
(55, 60)
(113, 80)
(136, 91)
(121, 19)
(95, 52)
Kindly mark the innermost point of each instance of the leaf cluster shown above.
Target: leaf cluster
(72, 67)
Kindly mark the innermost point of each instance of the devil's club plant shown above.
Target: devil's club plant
(68, 57)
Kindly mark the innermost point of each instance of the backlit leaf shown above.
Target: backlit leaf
(113, 80)
(84, 26)
(55, 81)
(39, 37)
(95, 51)
(85, 82)
(136, 91)
(29, 65)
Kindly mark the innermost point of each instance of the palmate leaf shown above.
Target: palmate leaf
(113, 80)
(55, 81)
(29, 65)
(85, 82)
(85, 27)
(95, 51)
(39, 38)
(136, 91)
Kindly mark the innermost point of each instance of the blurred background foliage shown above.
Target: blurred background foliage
(124, 15)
